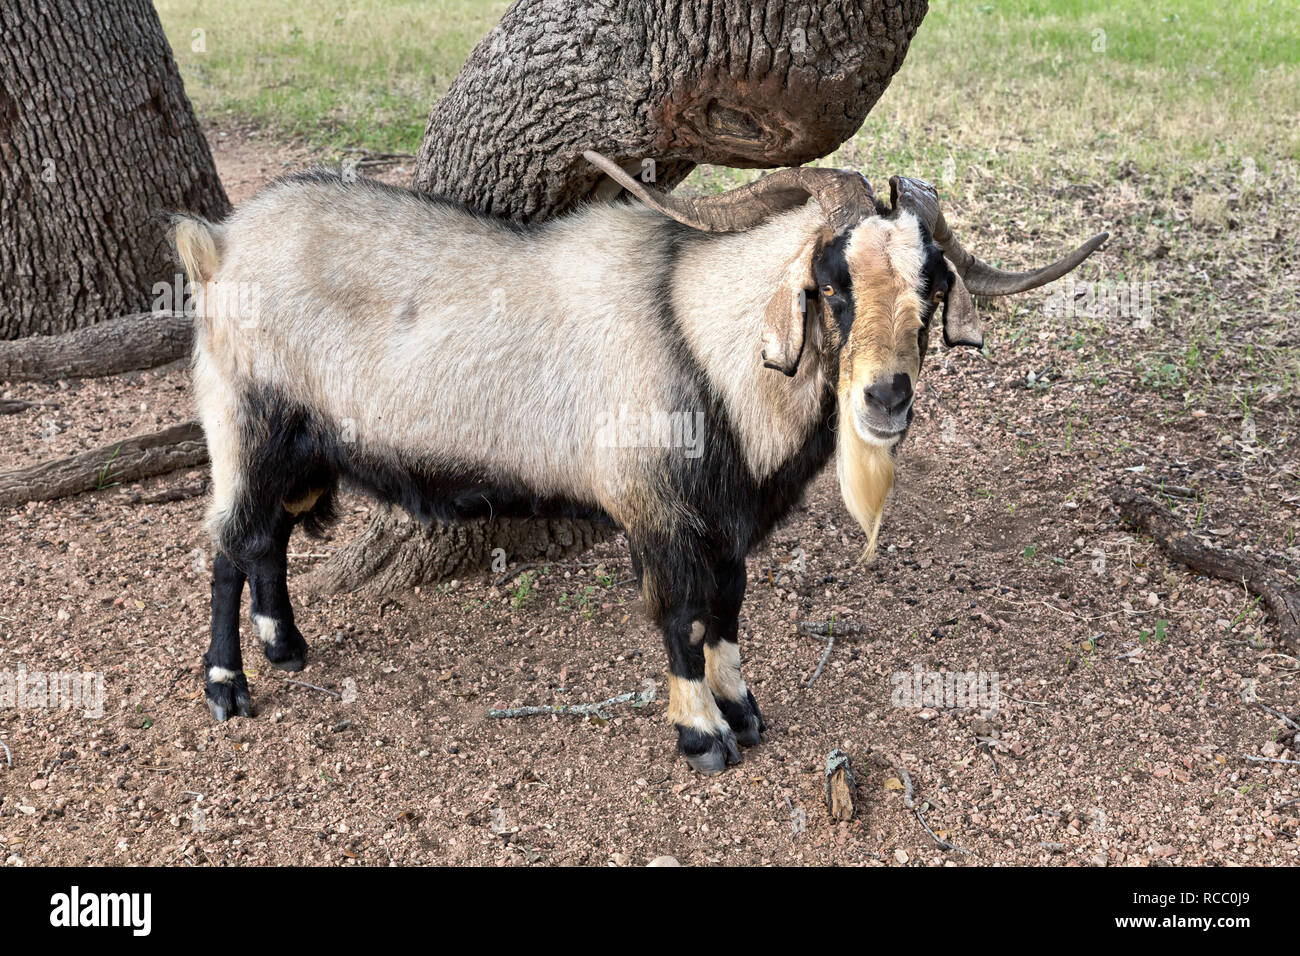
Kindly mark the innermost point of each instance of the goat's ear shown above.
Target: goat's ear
(784, 323)
(961, 323)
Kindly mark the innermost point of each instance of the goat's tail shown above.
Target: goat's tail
(198, 246)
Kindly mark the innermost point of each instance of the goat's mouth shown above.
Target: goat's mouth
(875, 432)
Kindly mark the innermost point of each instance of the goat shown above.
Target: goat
(462, 366)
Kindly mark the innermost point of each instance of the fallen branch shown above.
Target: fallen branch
(1276, 590)
(1172, 491)
(828, 628)
(370, 158)
(144, 456)
(323, 690)
(638, 699)
(142, 340)
(1293, 763)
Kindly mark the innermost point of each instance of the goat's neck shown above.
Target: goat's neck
(721, 289)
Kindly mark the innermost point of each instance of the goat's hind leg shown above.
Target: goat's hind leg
(225, 685)
(268, 577)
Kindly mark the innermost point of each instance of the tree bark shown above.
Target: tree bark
(396, 552)
(676, 83)
(97, 144)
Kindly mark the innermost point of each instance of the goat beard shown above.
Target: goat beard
(866, 474)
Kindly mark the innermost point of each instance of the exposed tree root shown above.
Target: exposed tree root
(1279, 594)
(142, 340)
(144, 456)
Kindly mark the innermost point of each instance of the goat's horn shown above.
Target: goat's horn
(844, 196)
(980, 277)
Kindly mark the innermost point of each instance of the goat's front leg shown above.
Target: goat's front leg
(704, 737)
(722, 656)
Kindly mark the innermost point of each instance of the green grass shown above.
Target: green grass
(336, 72)
(1009, 87)
(983, 81)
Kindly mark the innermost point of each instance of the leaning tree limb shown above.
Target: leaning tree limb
(144, 456)
(727, 82)
(1278, 592)
(142, 340)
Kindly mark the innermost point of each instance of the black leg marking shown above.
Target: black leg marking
(225, 685)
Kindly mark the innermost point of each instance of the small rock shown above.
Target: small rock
(900, 855)
(664, 861)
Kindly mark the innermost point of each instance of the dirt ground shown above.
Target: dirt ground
(1125, 681)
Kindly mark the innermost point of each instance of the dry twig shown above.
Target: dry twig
(1293, 763)
(830, 646)
(323, 690)
(637, 699)
(909, 801)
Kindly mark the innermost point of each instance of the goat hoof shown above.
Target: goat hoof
(744, 718)
(288, 651)
(707, 753)
(229, 698)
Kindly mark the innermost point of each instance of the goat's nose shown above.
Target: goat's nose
(891, 396)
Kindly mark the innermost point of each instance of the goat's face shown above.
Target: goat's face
(879, 285)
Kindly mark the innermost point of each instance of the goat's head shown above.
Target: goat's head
(873, 277)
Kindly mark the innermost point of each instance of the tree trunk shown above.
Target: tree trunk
(97, 144)
(673, 83)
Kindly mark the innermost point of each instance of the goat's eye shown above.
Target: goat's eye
(828, 290)
(938, 295)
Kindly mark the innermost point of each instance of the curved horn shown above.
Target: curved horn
(844, 196)
(980, 277)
